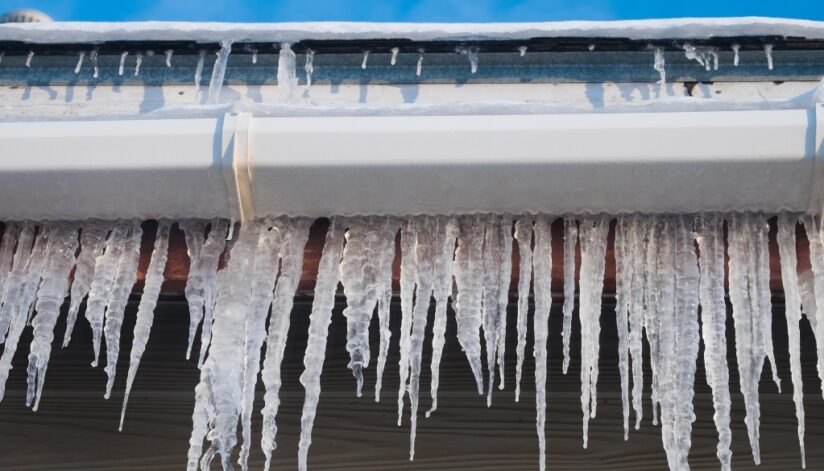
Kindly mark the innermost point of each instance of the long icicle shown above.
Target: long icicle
(523, 234)
(208, 264)
(194, 231)
(319, 320)
(11, 235)
(492, 251)
(407, 295)
(145, 310)
(504, 280)
(291, 264)
(792, 303)
(469, 280)
(637, 289)
(542, 267)
(446, 235)
(710, 238)
(622, 295)
(386, 256)
(816, 239)
(570, 242)
(92, 242)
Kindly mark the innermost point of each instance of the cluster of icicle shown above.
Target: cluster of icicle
(661, 282)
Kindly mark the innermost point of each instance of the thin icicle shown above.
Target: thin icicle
(168, 53)
(593, 237)
(218, 396)
(264, 279)
(92, 242)
(659, 65)
(105, 269)
(93, 56)
(145, 310)
(792, 303)
(80, 57)
(122, 66)
(287, 79)
(469, 280)
(394, 59)
(492, 250)
(138, 61)
(425, 254)
(309, 67)
(207, 268)
(29, 57)
(295, 238)
(219, 71)
(386, 256)
(542, 268)
(768, 50)
(446, 235)
(523, 234)
(201, 59)
(124, 280)
(570, 242)
(7, 245)
(710, 237)
(58, 264)
(762, 230)
(319, 320)
(365, 58)
(407, 284)
(194, 233)
(522, 50)
(736, 49)
(504, 279)
(816, 239)
(652, 231)
(15, 307)
(637, 288)
(419, 66)
(623, 281)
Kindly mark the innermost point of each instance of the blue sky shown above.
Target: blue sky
(409, 10)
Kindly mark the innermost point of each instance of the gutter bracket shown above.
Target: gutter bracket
(235, 163)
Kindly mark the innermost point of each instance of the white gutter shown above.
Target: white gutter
(318, 166)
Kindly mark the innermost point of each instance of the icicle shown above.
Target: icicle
(570, 242)
(542, 267)
(816, 239)
(270, 240)
(92, 243)
(168, 53)
(96, 69)
(124, 280)
(296, 236)
(385, 256)
(637, 288)
(254, 56)
(446, 235)
(80, 57)
(424, 260)
(768, 50)
(394, 58)
(623, 281)
(365, 58)
(58, 263)
(792, 303)
(472, 54)
(522, 50)
(736, 48)
(319, 320)
(201, 58)
(710, 237)
(309, 67)
(23, 274)
(419, 67)
(659, 65)
(492, 251)
(218, 395)
(207, 268)
(591, 47)
(593, 237)
(219, 71)
(105, 269)
(504, 279)
(407, 285)
(29, 57)
(145, 310)
(761, 231)
(523, 233)
(469, 280)
(287, 80)
(706, 56)
(7, 245)
(137, 63)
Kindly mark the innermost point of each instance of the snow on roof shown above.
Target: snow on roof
(681, 28)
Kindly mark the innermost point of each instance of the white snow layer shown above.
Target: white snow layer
(666, 267)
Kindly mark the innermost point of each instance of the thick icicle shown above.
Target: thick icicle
(145, 310)
(504, 279)
(424, 265)
(637, 287)
(622, 294)
(407, 284)
(7, 245)
(23, 273)
(492, 251)
(58, 264)
(542, 268)
(816, 239)
(710, 237)
(92, 242)
(593, 237)
(287, 79)
(761, 230)
(445, 236)
(207, 269)
(194, 232)
(570, 242)
(319, 320)
(295, 237)
(218, 396)
(124, 280)
(792, 303)
(469, 280)
(386, 255)
(219, 71)
(105, 269)
(523, 233)
(264, 278)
